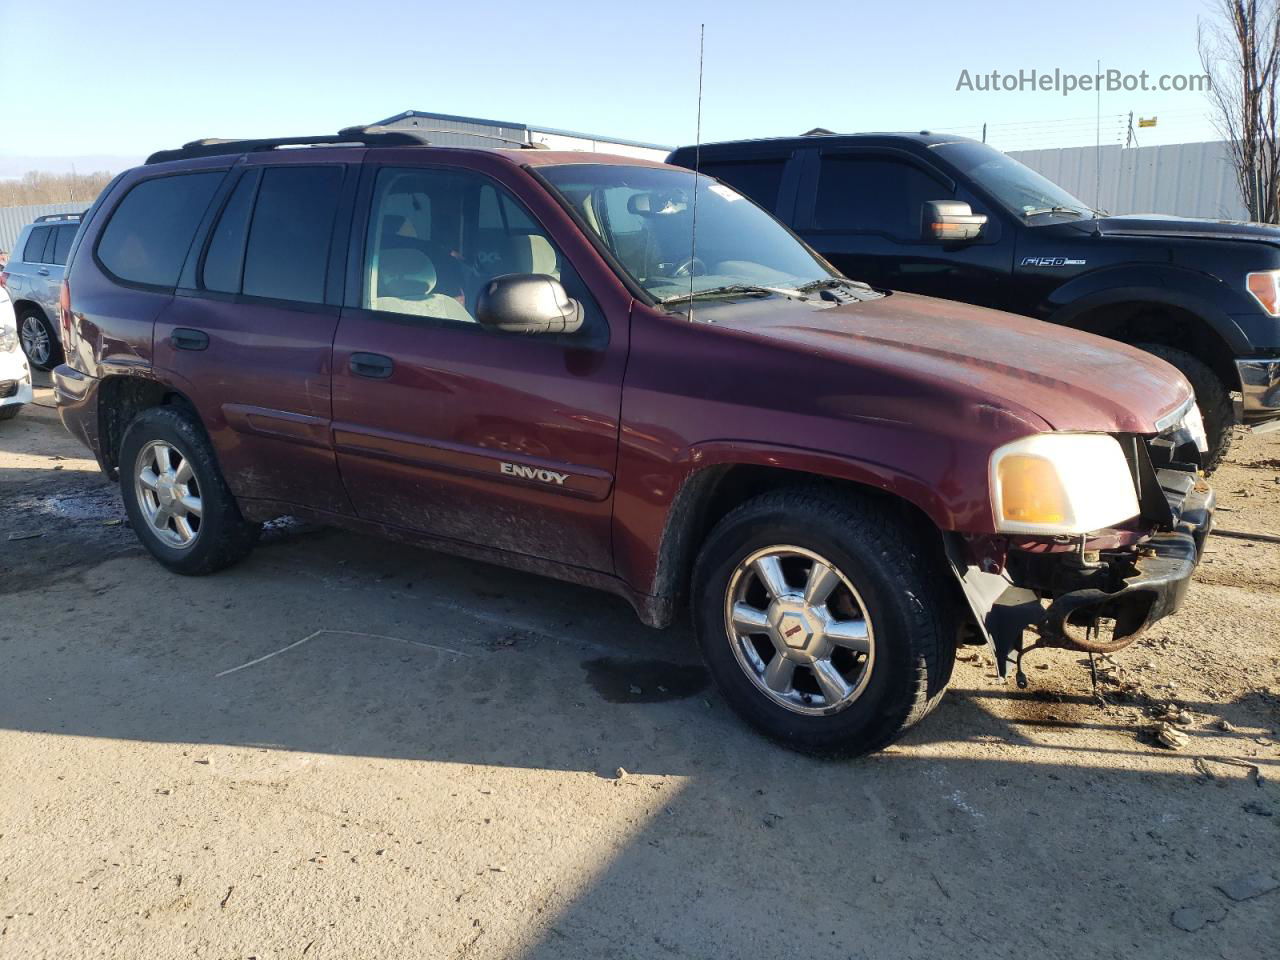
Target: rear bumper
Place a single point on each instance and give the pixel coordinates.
(76, 396)
(1260, 387)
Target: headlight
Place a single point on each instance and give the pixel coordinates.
(1265, 287)
(8, 335)
(1061, 483)
(1190, 429)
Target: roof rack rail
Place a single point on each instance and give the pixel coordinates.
(363, 136)
(55, 217)
(368, 136)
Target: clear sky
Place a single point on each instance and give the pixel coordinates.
(91, 80)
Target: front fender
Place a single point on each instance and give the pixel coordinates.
(1198, 293)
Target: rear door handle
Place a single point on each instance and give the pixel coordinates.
(43, 271)
(183, 338)
(372, 365)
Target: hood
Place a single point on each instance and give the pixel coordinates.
(1159, 225)
(1070, 380)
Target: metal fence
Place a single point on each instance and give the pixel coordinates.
(13, 219)
(1180, 179)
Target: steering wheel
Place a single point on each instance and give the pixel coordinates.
(690, 267)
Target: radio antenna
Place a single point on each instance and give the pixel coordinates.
(697, 165)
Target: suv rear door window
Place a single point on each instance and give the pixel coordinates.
(288, 250)
(62, 237)
(866, 194)
(760, 180)
(151, 229)
(224, 260)
(33, 252)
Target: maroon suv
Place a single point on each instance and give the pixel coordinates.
(573, 364)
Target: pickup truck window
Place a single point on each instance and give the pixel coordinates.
(869, 194)
(760, 180)
(1018, 188)
(644, 216)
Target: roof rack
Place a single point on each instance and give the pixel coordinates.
(56, 217)
(368, 136)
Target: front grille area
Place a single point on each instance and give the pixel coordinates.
(8, 388)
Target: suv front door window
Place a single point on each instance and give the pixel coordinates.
(453, 429)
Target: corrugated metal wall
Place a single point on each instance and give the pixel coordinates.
(1181, 179)
(458, 128)
(13, 219)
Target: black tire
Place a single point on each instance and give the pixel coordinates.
(10, 411)
(224, 536)
(55, 346)
(902, 585)
(1212, 396)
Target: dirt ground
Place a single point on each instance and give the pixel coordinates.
(349, 748)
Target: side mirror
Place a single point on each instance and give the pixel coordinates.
(949, 220)
(528, 303)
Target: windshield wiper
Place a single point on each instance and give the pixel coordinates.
(730, 289)
(827, 282)
(1072, 210)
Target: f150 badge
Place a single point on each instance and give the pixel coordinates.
(1052, 262)
(533, 473)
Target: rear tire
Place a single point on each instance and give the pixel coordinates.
(887, 575)
(1212, 396)
(178, 503)
(39, 339)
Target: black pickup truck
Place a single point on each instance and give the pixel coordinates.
(951, 217)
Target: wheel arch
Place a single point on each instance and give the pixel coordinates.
(1155, 316)
(708, 494)
(121, 397)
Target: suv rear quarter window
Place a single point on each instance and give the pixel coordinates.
(146, 240)
(62, 237)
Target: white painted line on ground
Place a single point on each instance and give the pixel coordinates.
(345, 633)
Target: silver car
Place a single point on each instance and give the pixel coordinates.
(33, 277)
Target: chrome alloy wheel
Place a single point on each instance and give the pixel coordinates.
(799, 629)
(168, 493)
(35, 340)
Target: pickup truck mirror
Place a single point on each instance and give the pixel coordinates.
(528, 303)
(948, 220)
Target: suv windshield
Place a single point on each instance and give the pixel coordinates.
(644, 216)
(1017, 187)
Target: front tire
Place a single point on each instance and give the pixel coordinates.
(39, 340)
(824, 620)
(1212, 396)
(177, 501)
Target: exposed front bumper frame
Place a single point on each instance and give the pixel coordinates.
(1260, 387)
(1163, 568)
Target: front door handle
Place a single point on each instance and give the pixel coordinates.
(372, 365)
(43, 271)
(183, 338)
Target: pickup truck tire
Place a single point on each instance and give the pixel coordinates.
(1212, 396)
(760, 567)
(177, 500)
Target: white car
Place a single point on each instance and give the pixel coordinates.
(15, 375)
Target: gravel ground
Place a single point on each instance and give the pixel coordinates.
(349, 748)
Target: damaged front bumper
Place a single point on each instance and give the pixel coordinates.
(1094, 594)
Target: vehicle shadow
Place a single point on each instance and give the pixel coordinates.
(327, 643)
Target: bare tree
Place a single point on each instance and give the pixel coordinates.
(37, 186)
(1240, 51)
